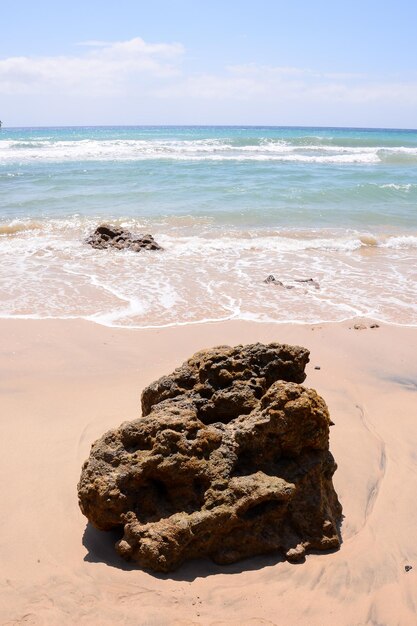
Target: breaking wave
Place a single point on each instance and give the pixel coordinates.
(178, 232)
(12, 151)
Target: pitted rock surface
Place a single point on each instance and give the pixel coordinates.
(230, 459)
(106, 236)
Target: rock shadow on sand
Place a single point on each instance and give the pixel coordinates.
(100, 547)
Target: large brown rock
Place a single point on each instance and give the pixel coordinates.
(230, 459)
(106, 236)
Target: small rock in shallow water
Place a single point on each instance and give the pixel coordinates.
(408, 567)
(106, 236)
(271, 279)
(359, 327)
(374, 326)
(308, 281)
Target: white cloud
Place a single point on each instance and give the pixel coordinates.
(151, 84)
(289, 84)
(106, 68)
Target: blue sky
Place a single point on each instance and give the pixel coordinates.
(199, 62)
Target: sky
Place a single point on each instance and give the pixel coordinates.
(259, 62)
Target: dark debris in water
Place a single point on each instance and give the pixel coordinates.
(310, 282)
(364, 326)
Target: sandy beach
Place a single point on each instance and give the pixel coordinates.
(65, 382)
(177, 178)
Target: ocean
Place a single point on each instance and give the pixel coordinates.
(229, 205)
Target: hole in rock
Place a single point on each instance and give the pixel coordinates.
(262, 454)
(223, 412)
(186, 382)
(246, 464)
(252, 461)
(157, 499)
(134, 441)
(200, 487)
(261, 509)
(212, 416)
(205, 392)
(161, 490)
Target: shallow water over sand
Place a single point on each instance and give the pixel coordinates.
(230, 206)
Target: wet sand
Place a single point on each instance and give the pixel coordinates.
(64, 382)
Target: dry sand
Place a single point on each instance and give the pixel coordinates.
(63, 383)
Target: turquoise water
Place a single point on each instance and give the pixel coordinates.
(230, 205)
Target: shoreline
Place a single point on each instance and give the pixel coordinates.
(65, 382)
(203, 276)
(348, 320)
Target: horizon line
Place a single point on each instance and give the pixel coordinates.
(294, 126)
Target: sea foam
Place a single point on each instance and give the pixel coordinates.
(14, 151)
